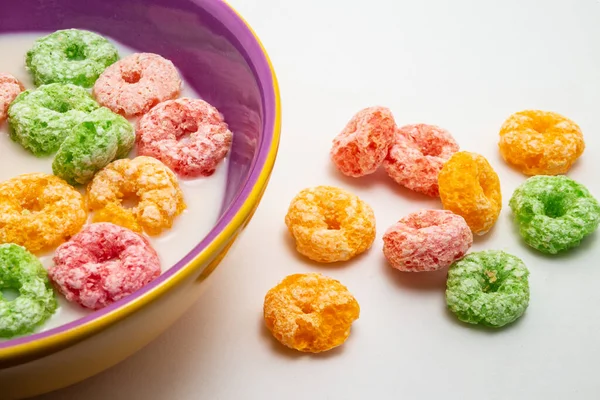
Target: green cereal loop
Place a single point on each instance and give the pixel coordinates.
(41, 119)
(489, 288)
(554, 213)
(92, 145)
(70, 56)
(23, 272)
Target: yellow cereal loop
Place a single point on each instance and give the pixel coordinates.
(540, 142)
(310, 312)
(160, 200)
(330, 224)
(470, 188)
(39, 211)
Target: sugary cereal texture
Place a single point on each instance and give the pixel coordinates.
(489, 288)
(70, 56)
(22, 272)
(540, 142)
(330, 224)
(102, 264)
(160, 200)
(554, 213)
(188, 135)
(101, 138)
(470, 188)
(426, 240)
(363, 144)
(417, 155)
(39, 211)
(41, 119)
(136, 83)
(310, 312)
(10, 87)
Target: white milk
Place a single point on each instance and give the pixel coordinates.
(203, 195)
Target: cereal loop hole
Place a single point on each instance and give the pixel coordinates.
(132, 76)
(9, 293)
(130, 200)
(333, 224)
(492, 284)
(554, 206)
(76, 52)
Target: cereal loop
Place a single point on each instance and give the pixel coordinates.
(540, 142)
(72, 56)
(39, 211)
(102, 264)
(330, 224)
(426, 240)
(41, 119)
(188, 135)
(160, 200)
(310, 312)
(489, 288)
(135, 84)
(101, 138)
(363, 144)
(10, 87)
(417, 155)
(470, 188)
(22, 272)
(554, 213)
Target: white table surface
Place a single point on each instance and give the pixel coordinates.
(465, 65)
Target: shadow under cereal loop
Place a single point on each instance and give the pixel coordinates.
(434, 281)
(287, 352)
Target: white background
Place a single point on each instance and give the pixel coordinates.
(465, 65)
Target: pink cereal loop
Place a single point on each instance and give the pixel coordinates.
(417, 156)
(427, 240)
(135, 84)
(363, 144)
(188, 135)
(10, 87)
(102, 264)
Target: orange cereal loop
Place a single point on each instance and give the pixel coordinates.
(39, 211)
(310, 312)
(153, 184)
(470, 188)
(540, 142)
(330, 224)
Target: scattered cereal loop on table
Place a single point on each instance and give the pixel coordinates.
(540, 142)
(426, 240)
(363, 144)
(310, 312)
(417, 155)
(470, 188)
(554, 213)
(488, 288)
(330, 224)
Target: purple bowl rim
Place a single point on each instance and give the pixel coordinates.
(225, 14)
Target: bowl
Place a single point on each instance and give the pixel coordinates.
(221, 58)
